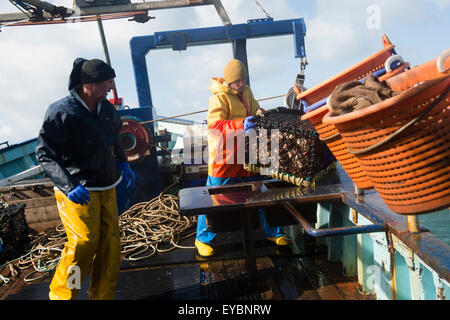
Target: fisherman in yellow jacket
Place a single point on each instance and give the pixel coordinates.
(230, 111)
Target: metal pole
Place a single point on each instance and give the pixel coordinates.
(240, 53)
(359, 193)
(105, 50)
(413, 224)
(331, 232)
(248, 242)
(221, 12)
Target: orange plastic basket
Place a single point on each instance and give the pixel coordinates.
(334, 141)
(328, 132)
(403, 143)
(337, 145)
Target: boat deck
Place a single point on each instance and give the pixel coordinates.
(302, 272)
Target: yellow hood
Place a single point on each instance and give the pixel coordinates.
(219, 85)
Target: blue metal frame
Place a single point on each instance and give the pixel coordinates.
(181, 40)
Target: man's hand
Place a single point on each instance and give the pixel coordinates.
(79, 195)
(248, 124)
(127, 174)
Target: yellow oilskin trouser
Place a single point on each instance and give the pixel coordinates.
(93, 237)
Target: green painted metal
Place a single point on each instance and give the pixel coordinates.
(335, 243)
(323, 218)
(17, 158)
(388, 268)
(429, 290)
(402, 278)
(366, 271)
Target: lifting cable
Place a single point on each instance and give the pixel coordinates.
(265, 12)
(201, 111)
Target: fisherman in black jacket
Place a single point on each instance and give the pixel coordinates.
(78, 147)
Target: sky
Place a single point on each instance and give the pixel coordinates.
(35, 61)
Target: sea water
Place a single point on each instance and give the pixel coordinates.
(438, 223)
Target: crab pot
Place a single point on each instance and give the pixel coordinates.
(13, 232)
(302, 157)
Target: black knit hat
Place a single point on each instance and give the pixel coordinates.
(95, 70)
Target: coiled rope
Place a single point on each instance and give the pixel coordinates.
(155, 226)
(147, 228)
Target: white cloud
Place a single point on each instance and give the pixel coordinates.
(34, 73)
(441, 3)
(329, 41)
(5, 131)
(338, 36)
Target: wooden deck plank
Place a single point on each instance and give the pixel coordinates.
(283, 277)
(352, 291)
(329, 292)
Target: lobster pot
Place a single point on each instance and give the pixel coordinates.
(13, 232)
(301, 158)
(403, 143)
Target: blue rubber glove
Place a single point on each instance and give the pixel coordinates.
(79, 195)
(248, 124)
(127, 174)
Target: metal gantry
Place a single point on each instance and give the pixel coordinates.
(42, 12)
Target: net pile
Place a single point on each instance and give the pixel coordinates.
(13, 231)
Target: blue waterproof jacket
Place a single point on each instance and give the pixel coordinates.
(76, 146)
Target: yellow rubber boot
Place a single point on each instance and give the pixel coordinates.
(204, 250)
(280, 241)
(92, 230)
